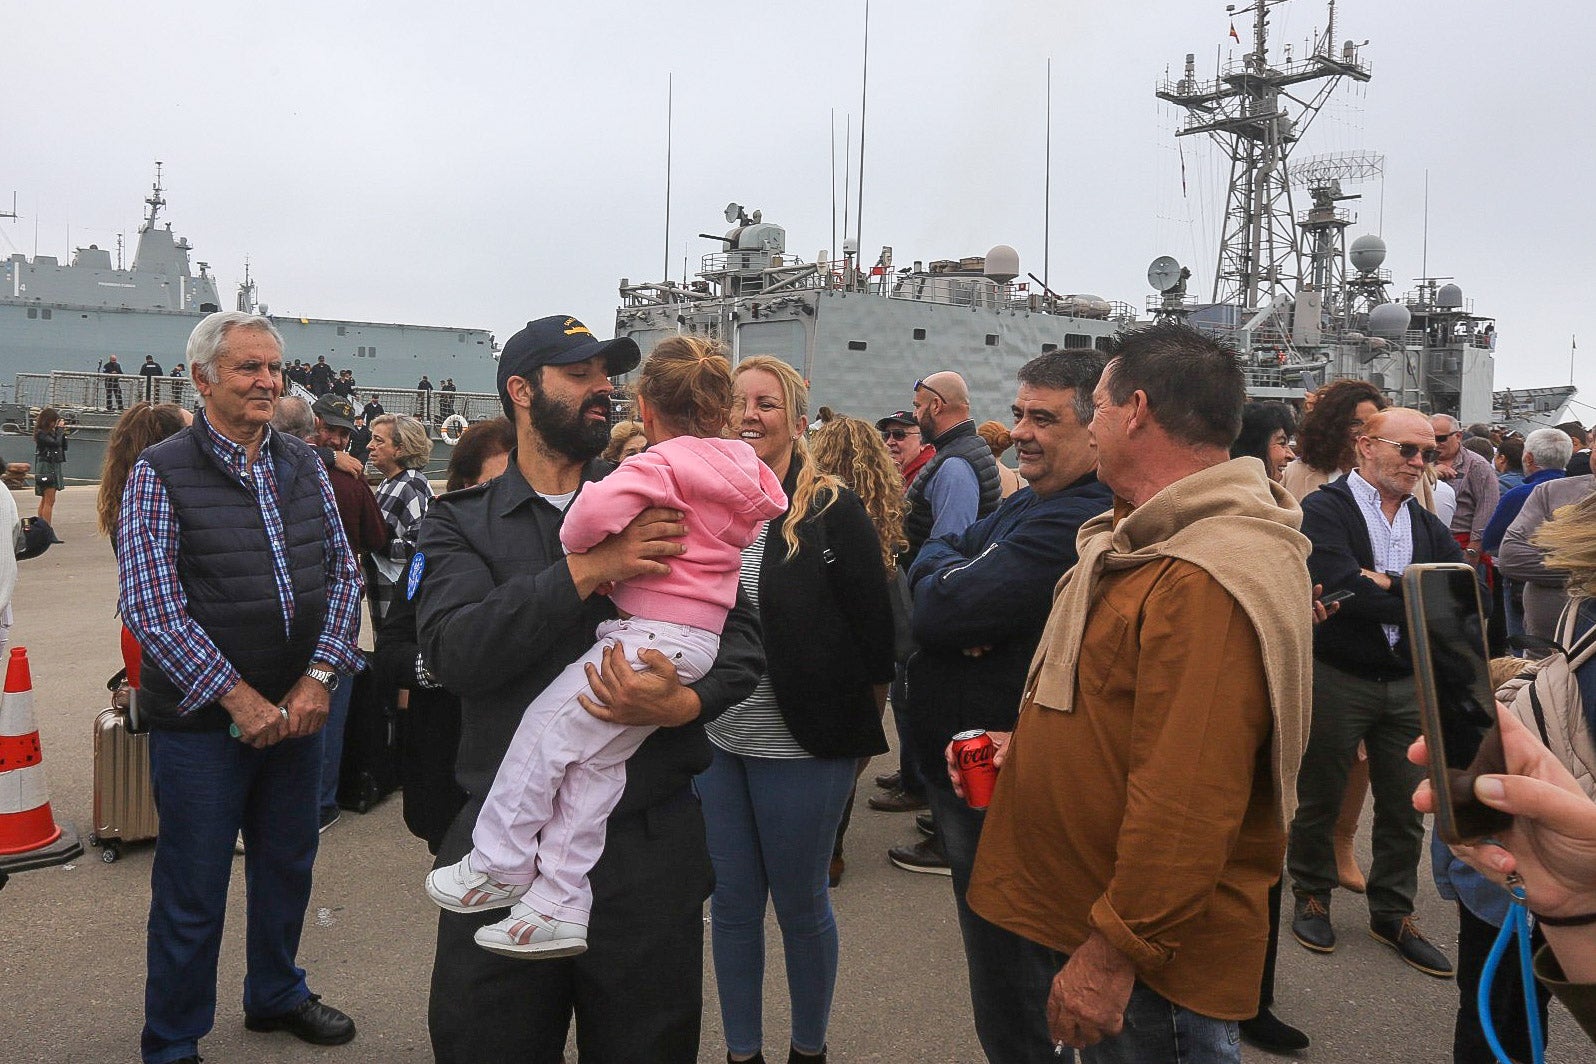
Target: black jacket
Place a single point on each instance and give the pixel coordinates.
(1353, 640)
(990, 586)
(828, 627)
(499, 618)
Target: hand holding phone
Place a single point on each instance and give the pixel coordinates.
(1446, 634)
(1336, 597)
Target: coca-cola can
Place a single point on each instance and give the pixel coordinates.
(972, 755)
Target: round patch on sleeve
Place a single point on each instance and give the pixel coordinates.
(418, 566)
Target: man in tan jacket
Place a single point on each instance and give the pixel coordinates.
(1140, 813)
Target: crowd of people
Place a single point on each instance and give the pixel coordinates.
(1182, 731)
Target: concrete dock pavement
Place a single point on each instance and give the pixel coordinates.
(72, 937)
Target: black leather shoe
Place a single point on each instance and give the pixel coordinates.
(899, 801)
(926, 825)
(795, 1057)
(890, 781)
(924, 856)
(1403, 936)
(1271, 1034)
(1311, 926)
(313, 1022)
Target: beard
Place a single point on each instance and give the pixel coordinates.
(568, 432)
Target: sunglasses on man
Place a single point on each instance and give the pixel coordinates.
(1410, 451)
(898, 434)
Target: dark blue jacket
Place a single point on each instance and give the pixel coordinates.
(1353, 640)
(991, 586)
(1510, 505)
(224, 564)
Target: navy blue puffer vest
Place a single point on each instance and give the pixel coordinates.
(961, 441)
(224, 564)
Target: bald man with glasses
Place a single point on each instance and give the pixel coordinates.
(1366, 528)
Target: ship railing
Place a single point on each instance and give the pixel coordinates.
(102, 391)
(432, 407)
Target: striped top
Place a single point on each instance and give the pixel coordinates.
(754, 727)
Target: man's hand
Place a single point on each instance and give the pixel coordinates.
(1000, 754)
(1321, 612)
(349, 463)
(1381, 581)
(633, 551)
(1089, 994)
(260, 724)
(653, 695)
(307, 704)
(1445, 471)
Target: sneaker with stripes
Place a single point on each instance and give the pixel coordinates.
(462, 889)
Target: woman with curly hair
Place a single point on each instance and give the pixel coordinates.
(851, 450)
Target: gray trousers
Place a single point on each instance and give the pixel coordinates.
(1385, 717)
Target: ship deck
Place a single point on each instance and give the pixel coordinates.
(72, 936)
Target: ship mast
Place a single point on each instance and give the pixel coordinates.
(1243, 109)
(154, 201)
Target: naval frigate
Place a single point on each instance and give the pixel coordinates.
(1301, 304)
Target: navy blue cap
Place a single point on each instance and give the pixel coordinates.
(560, 341)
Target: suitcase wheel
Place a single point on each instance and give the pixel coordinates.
(110, 853)
(370, 793)
(94, 840)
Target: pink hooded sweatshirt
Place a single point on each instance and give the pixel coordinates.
(726, 493)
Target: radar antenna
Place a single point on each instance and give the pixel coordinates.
(1323, 228)
(1244, 110)
(154, 201)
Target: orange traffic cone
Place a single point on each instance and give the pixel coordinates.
(29, 835)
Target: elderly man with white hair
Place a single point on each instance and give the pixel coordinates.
(1546, 452)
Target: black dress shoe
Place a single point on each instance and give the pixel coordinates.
(890, 781)
(1403, 936)
(926, 825)
(924, 856)
(1311, 926)
(1268, 1032)
(899, 801)
(795, 1057)
(313, 1022)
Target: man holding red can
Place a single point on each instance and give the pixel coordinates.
(981, 599)
(1141, 804)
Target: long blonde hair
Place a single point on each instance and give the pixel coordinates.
(815, 489)
(852, 451)
(1569, 540)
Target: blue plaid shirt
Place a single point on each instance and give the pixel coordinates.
(153, 604)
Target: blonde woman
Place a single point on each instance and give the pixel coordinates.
(784, 759)
(400, 448)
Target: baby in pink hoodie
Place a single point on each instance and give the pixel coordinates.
(542, 827)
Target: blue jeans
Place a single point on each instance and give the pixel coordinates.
(771, 823)
(1010, 976)
(208, 787)
(1157, 1029)
(332, 753)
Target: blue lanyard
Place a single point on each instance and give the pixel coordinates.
(1516, 926)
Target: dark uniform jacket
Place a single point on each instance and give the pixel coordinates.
(499, 618)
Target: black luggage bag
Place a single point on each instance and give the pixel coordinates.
(369, 769)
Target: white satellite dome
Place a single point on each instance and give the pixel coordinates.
(1367, 253)
(1002, 264)
(1450, 297)
(1389, 321)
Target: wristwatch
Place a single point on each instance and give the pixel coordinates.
(326, 677)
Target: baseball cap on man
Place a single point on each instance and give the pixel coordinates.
(336, 411)
(899, 417)
(560, 341)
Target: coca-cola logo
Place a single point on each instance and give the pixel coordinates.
(974, 755)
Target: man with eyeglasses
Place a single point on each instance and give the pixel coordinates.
(1478, 490)
(909, 451)
(1366, 528)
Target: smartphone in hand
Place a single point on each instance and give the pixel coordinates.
(1457, 705)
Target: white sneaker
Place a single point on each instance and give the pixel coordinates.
(525, 933)
(459, 888)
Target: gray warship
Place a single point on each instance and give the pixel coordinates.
(1301, 305)
(59, 322)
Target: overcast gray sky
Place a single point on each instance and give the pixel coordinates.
(478, 164)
